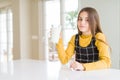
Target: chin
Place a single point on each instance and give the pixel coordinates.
(82, 31)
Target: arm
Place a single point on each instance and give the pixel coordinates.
(65, 55)
(104, 56)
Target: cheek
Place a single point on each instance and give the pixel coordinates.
(87, 28)
(78, 22)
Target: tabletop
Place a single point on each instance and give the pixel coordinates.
(45, 70)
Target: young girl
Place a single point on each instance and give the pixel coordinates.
(89, 45)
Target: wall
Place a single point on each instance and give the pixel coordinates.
(28, 29)
(21, 29)
(4, 3)
(38, 30)
(16, 29)
(109, 11)
(34, 29)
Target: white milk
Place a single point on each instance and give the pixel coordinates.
(55, 33)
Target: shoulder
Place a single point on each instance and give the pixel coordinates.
(73, 38)
(100, 36)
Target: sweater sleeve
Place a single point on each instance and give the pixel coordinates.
(104, 56)
(65, 55)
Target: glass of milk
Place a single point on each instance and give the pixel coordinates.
(55, 33)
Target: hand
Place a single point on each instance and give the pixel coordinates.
(76, 66)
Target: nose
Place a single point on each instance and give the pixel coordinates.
(83, 22)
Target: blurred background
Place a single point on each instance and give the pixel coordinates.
(25, 27)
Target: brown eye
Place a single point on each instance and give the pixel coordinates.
(87, 20)
(80, 19)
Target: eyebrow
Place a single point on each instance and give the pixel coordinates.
(81, 17)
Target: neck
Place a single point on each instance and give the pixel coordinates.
(86, 33)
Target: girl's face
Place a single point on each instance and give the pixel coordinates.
(83, 23)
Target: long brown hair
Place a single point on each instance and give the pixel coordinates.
(94, 22)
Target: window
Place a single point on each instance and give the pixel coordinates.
(70, 18)
(6, 34)
(60, 12)
(52, 18)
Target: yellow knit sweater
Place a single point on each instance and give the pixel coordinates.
(65, 55)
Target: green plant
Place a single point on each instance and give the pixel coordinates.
(71, 18)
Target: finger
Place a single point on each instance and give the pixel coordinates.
(73, 65)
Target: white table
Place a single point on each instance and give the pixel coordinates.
(44, 70)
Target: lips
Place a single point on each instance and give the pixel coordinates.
(82, 26)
